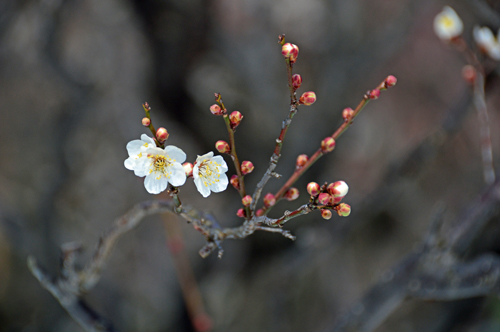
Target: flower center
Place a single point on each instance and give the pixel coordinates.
(209, 172)
(447, 22)
(160, 166)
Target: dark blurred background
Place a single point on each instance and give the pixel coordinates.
(73, 75)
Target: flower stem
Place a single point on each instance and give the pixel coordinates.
(279, 141)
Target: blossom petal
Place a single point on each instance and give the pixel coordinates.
(146, 139)
(155, 183)
(178, 175)
(219, 160)
(204, 190)
(221, 185)
(129, 163)
(134, 147)
(175, 153)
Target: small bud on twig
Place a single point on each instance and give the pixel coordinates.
(216, 110)
(308, 98)
(241, 213)
(247, 200)
(290, 51)
(347, 113)
(269, 200)
(234, 182)
(313, 189)
(324, 199)
(326, 214)
(374, 94)
(328, 144)
(235, 119)
(390, 81)
(161, 134)
(246, 167)
(259, 212)
(292, 194)
(188, 168)
(146, 122)
(222, 147)
(301, 160)
(296, 81)
(343, 209)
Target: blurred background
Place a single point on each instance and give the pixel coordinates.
(73, 76)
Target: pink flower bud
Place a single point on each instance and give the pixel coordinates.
(246, 167)
(235, 119)
(336, 200)
(269, 200)
(188, 168)
(338, 189)
(469, 74)
(344, 209)
(308, 98)
(302, 160)
(326, 214)
(324, 199)
(313, 189)
(222, 147)
(146, 122)
(247, 200)
(347, 113)
(290, 51)
(390, 81)
(296, 81)
(374, 94)
(292, 194)
(161, 134)
(328, 144)
(234, 182)
(241, 213)
(216, 110)
(259, 213)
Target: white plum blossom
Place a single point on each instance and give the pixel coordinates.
(159, 166)
(487, 42)
(136, 149)
(447, 24)
(209, 174)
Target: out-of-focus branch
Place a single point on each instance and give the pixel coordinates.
(438, 272)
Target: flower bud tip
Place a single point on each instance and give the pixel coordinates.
(246, 167)
(308, 98)
(328, 144)
(222, 147)
(161, 134)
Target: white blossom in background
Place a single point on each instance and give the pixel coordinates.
(209, 174)
(136, 149)
(487, 42)
(447, 24)
(159, 166)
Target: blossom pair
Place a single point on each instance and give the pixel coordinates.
(164, 166)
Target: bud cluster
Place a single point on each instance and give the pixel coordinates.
(328, 197)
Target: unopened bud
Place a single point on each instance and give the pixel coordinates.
(347, 114)
(469, 74)
(313, 189)
(235, 119)
(259, 213)
(188, 168)
(302, 160)
(161, 134)
(292, 194)
(308, 98)
(344, 210)
(390, 81)
(235, 182)
(324, 199)
(241, 213)
(222, 147)
(290, 51)
(269, 200)
(216, 110)
(146, 122)
(246, 167)
(296, 81)
(374, 94)
(338, 189)
(328, 144)
(326, 214)
(247, 200)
